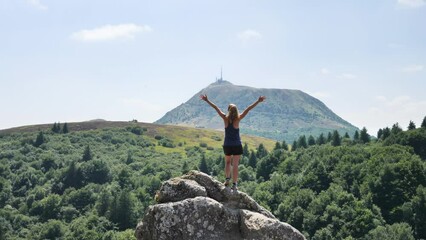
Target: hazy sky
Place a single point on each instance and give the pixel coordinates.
(75, 60)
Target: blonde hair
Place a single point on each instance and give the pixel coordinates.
(232, 113)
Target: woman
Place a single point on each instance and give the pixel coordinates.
(232, 146)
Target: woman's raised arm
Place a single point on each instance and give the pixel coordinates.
(221, 114)
(261, 99)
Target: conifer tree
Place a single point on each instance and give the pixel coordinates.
(396, 129)
(321, 139)
(336, 141)
(65, 128)
(411, 125)
(301, 143)
(277, 146)
(252, 160)
(311, 140)
(294, 145)
(55, 128)
(364, 136)
(386, 133)
(423, 123)
(246, 152)
(329, 137)
(203, 165)
(39, 140)
(87, 155)
(356, 136)
(346, 135)
(284, 145)
(185, 167)
(261, 151)
(380, 134)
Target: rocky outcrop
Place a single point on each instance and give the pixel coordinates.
(196, 206)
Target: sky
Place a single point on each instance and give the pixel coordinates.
(74, 60)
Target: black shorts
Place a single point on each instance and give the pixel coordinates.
(233, 150)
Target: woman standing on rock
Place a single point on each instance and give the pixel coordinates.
(232, 146)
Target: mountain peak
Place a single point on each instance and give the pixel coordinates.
(221, 82)
(285, 115)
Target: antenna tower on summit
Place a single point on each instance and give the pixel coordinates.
(221, 78)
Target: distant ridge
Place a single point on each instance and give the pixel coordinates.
(286, 114)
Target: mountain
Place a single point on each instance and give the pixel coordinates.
(285, 115)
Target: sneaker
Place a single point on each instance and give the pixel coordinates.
(226, 183)
(234, 187)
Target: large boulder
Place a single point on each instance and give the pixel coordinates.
(196, 206)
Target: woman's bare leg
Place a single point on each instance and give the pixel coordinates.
(228, 166)
(235, 161)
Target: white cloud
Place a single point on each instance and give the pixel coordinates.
(412, 3)
(37, 4)
(413, 68)
(249, 35)
(110, 32)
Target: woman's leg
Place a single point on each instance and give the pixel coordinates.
(235, 161)
(228, 166)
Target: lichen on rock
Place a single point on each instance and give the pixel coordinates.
(196, 206)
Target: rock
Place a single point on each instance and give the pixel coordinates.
(196, 206)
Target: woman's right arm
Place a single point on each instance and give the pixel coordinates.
(221, 114)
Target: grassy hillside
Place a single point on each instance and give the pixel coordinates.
(179, 136)
(285, 115)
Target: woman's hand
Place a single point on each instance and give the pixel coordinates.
(204, 97)
(261, 99)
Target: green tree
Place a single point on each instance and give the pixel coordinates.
(311, 140)
(336, 140)
(284, 145)
(261, 151)
(364, 136)
(356, 136)
(73, 176)
(56, 127)
(53, 229)
(185, 167)
(380, 134)
(122, 210)
(419, 212)
(294, 146)
(329, 137)
(277, 146)
(246, 152)
(252, 160)
(321, 139)
(87, 155)
(346, 135)
(266, 166)
(96, 171)
(396, 129)
(301, 142)
(411, 125)
(395, 231)
(65, 128)
(386, 133)
(423, 125)
(40, 139)
(202, 166)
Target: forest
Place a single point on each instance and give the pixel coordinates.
(96, 184)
